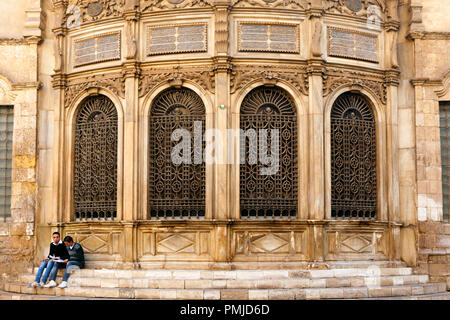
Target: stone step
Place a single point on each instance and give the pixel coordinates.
(20, 296)
(173, 265)
(259, 283)
(239, 274)
(231, 294)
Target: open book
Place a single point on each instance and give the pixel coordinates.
(55, 259)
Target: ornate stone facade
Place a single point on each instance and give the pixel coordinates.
(389, 52)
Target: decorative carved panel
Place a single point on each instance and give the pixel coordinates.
(150, 78)
(98, 242)
(176, 190)
(155, 5)
(175, 243)
(356, 8)
(177, 39)
(83, 11)
(347, 243)
(95, 160)
(373, 82)
(293, 74)
(352, 44)
(283, 4)
(258, 242)
(353, 159)
(101, 48)
(113, 82)
(267, 37)
(271, 195)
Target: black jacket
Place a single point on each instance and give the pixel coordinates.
(58, 250)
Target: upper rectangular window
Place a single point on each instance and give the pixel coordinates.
(444, 113)
(269, 37)
(352, 44)
(101, 48)
(6, 140)
(177, 39)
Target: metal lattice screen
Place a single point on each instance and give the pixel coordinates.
(444, 112)
(175, 190)
(353, 159)
(95, 160)
(6, 141)
(268, 196)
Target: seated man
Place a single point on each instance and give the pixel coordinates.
(76, 259)
(57, 250)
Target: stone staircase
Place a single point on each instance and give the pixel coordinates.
(434, 255)
(346, 280)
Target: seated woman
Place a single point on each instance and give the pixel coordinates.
(57, 250)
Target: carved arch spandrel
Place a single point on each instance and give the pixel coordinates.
(114, 83)
(153, 78)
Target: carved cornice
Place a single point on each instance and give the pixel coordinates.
(175, 76)
(26, 41)
(244, 74)
(392, 77)
(282, 4)
(222, 64)
(59, 81)
(156, 5)
(337, 77)
(114, 83)
(423, 35)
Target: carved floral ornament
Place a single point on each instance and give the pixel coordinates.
(335, 78)
(114, 83)
(82, 11)
(243, 75)
(150, 78)
(93, 10)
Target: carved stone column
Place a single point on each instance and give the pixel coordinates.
(131, 73)
(59, 85)
(391, 82)
(407, 140)
(315, 72)
(221, 115)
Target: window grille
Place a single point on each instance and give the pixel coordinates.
(95, 160)
(6, 141)
(175, 190)
(353, 159)
(444, 112)
(268, 196)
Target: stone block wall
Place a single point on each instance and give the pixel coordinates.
(434, 250)
(19, 85)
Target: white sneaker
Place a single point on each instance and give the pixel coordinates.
(63, 285)
(51, 284)
(34, 284)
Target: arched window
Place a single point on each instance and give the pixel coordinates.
(176, 189)
(268, 187)
(353, 158)
(95, 160)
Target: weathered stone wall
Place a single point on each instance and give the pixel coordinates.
(430, 31)
(20, 35)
